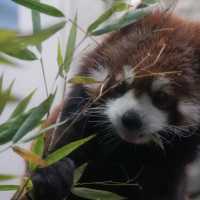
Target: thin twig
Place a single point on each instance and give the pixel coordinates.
(158, 56)
(21, 191)
(81, 41)
(64, 88)
(83, 31)
(44, 76)
(159, 74)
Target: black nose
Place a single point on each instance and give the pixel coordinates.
(131, 120)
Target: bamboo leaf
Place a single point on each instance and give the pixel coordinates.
(66, 150)
(21, 107)
(30, 156)
(70, 45)
(38, 146)
(118, 6)
(127, 19)
(5, 96)
(9, 187)
(24, 54)
(79, 172)
(1, 83)
(94, 194)
(9, 128)
(83, 80)
(38, 149)
(6, 35)
(43, 131)
(21, 42)
(29, 185)
(34, 118)
(36, 21)
(40, 7)
(5, 61)
(60, 60)
(150, 1)
(6, 177)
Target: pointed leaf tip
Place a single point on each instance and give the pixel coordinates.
(40, 7)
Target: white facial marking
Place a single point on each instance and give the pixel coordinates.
(129, 74)
(152, 118)
(159, 83)
(115, 108)
(100, 74)
(190, 111)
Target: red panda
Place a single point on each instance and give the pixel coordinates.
(148, 86)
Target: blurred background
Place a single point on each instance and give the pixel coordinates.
(28, 75)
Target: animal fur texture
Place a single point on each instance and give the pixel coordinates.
(148, 86)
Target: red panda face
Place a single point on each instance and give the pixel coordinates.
(150, 81)
(137, 115)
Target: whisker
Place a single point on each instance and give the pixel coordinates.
(181, 131)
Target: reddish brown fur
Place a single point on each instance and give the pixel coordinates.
(157, 44)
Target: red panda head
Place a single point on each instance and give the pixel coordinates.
(149, 75)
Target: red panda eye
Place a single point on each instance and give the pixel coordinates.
(163, 100)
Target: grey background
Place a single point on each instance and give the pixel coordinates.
(189, 8)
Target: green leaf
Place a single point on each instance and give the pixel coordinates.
(29, 185)
(79, 172)
(6, 177)
(118, 6)
(40, 7)
(38, 146)
(38, 149)
(24, 54)
(34, 118)
(43, 131)
(150, 1)
(21, 42)
(60, 60)
(66, 150)
(127, 19)
(9, 187)
(6, 35)
(5, 96)
(36, 21)
(1, 83)
(21, 107)
(83, 80)
(9, 128)
(94, 194)
(70, 45)
(5, 61)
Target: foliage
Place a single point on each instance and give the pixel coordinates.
(23, 120)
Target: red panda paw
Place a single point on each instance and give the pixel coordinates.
(53, 182)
